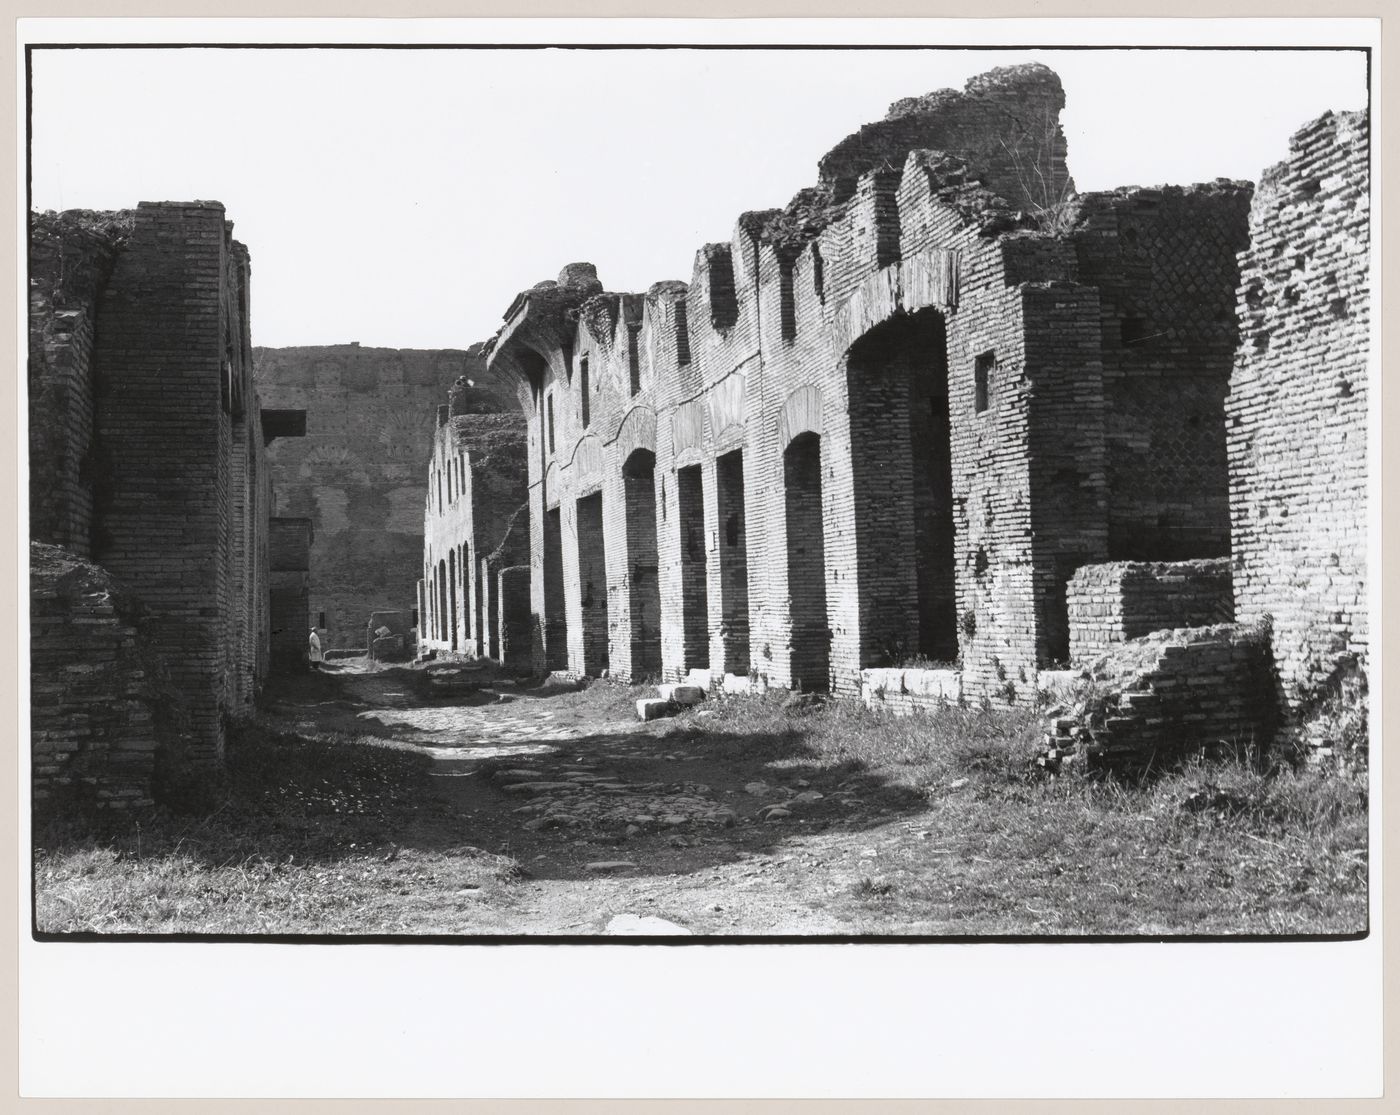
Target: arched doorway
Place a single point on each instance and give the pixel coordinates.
(901, 464)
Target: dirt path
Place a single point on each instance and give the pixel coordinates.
(616, 823)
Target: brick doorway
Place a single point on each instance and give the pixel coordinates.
(442, 600)
(901, 462)
(810, 640)
(556, 624)
(452, 597)
(592, 584)
(695, 593)
(733, 562)
(643, 587)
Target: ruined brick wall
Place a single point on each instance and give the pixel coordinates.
(178, 503)
(1006, 120)
(70, 258)
(1298, 405)
(92, 695)
(1164, 263)
(873, 422)
(1157, 698)
(148, 456)
(358, 472)
(1114, 602)
(471, 528)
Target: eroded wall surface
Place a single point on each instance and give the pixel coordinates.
(1297, 410)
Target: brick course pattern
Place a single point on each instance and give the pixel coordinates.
(474, 527)
(1162, 696)
(357, 474)
(92, 699)
(1298, 406)
(1114, 602)
(904, 397)
(147, 433)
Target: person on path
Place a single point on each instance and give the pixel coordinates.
(316, 657)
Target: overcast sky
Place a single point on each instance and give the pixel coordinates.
(401, 198)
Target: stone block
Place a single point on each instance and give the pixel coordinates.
(654, 708)
(685, 695)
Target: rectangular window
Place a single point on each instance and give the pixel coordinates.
(583, 388)
(549, 413)
(986, 364)
(634, 363)
(682, 334)
(787, 302)
(320, 619)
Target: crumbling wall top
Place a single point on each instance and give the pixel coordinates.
(1006, 118)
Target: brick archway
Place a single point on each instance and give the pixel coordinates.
(901, 463)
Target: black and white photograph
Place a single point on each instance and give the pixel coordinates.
(515, 507)
(600, 491)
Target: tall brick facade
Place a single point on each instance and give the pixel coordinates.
(886, 423)
(1297, 409)
(474, 530)
(148, 434)
(357, 474)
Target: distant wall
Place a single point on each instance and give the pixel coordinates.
(1297, 410)
(358, 472)
(290, 545)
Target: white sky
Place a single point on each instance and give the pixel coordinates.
(401, 198)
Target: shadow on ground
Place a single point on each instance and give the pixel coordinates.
(328, 773)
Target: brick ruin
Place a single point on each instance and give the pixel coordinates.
(1295, 422)
(881, 428)
(356, 476)
(476, 533)
(150, 498)
(1297, 411)
(941, 429)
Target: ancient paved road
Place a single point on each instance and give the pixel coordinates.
(616, 823)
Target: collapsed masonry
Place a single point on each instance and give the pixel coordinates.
(1295, 420)
(151, 618)
(880, 429)
(474, 598)
(356, 477)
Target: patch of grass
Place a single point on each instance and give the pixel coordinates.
(315, 835)
(1225, 846)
